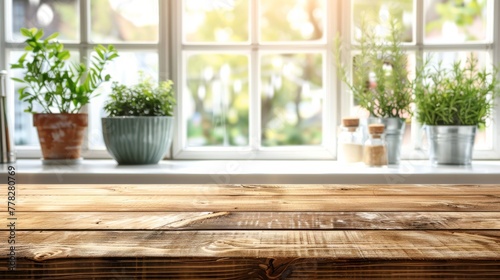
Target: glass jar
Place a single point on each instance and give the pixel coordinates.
(375, 149)
(350, 141)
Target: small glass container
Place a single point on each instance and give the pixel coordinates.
(375, 149)
(350, 141)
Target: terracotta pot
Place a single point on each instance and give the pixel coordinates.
(60, 135)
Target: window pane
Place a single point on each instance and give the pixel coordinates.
(292, 20)
(484, 136)
(292, 96)
(52, 15)
(124, 69)
(216, 21)
(378, 11)
(448, 58)
(455, 21)
(124, 21)
(216, 98)
(24, 132)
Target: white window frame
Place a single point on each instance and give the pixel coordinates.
(417, 151)
(327, 150)
(84, 48)
(170, 50)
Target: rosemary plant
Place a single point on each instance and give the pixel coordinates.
(457, 95)
(380, 82)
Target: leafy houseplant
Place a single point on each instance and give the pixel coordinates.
(459, 95)
(380, 82)
(59, 89)
(451, 103)
(139, 128)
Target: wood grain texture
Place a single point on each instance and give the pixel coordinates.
(251, 269)
(255, 232)
(255, 220)
(340, 244)
(259, 190)
(195, 202)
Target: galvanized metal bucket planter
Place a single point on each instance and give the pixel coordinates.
(394, 132)
(137, 140)
(451, 145)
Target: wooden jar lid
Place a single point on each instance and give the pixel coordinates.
(350, 122)
(376, 128)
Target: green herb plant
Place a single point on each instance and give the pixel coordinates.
(457, 95)
(380, 82)
(53, 83)
(146, 98)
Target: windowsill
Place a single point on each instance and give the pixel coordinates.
(252, 172)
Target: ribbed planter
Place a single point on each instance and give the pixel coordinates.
(138, 140)
(450, 145)
(60, 135)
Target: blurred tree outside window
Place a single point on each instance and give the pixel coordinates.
(252, 74)
(290, 85)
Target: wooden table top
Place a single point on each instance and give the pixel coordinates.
(254, 232)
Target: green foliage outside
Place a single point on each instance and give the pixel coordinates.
(50, 81)
(370, 11)
(231, 127)
(460, 95)
(278, 128)
(234, 21)
(108, 24)
(146, 98)
(462, 13)
(215, 122)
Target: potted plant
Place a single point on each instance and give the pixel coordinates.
(452, 102)
(139, 126)
(380, 82)
(58, 89)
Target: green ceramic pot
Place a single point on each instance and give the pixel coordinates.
(137, 140)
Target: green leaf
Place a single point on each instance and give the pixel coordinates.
(33, 31)
(65, 55)
(25, 32)
(39, 34)
(18, 80)
(99, 52)
(52, 36)
(16, 66)
(113, 56)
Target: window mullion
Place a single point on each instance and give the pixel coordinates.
(84, 21)
(179, 142)
(84, 52)
(496, 61)
(344, 28)
(419, 26)
(164, 47)
(331, 96)
(416, 127)
(164, 43)
(254, 87)
(3, 34)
